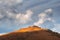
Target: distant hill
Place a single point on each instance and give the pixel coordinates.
(31, 33)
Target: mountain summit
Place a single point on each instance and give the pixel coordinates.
(31, 33)
(30, 29)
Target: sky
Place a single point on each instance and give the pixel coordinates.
(16, 14)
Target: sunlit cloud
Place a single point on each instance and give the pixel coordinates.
(2, 34)
(43, 17)
(24, 18)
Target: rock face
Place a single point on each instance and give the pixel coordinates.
(31, 33)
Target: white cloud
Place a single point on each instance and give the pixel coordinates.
(2, 34)
(39, 22)
(18, 1)
(1, 16)
(49, 19)
(48, 10)
(43, 17)
(56, 28)
(10, 2)
(10, 14)
(24, 18)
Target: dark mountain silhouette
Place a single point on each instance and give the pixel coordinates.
(31, 33)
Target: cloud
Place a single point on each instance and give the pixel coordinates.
(1, 16)
(24, 18)
(48, 10)
(2, 34)
(18, 1)
(56, 28)
(19, 18)
(8, 9)
(43, 17)
(10, 14)
(10, 2)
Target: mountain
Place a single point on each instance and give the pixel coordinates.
(31, 33)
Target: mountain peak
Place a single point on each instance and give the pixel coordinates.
(30, 28)
(31, 33)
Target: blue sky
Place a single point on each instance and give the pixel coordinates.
(16, 14)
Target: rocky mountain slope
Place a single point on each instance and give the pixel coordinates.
(31, 33)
